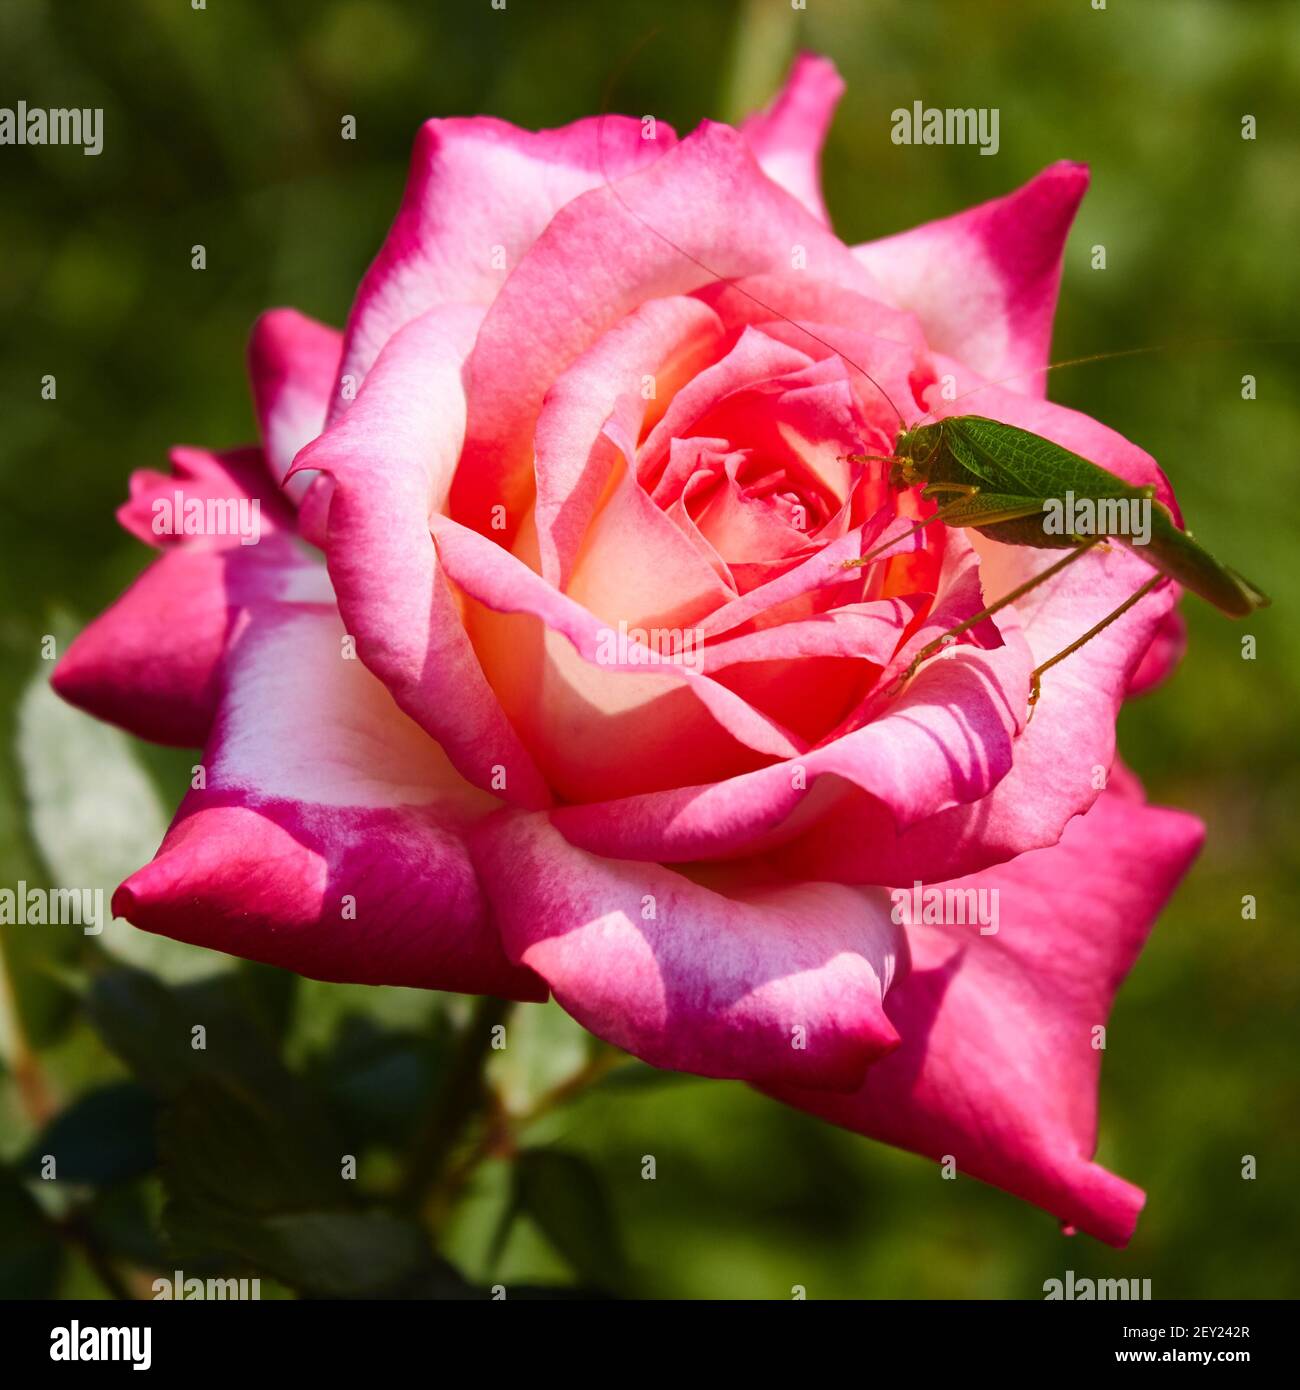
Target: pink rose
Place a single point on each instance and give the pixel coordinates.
(579, 697)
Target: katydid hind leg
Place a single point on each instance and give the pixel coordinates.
(1036, 677)
(944, 639)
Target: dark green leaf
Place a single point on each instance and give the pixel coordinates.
(270, 995)
(43, 1008)
(223, 1145)
(123, 1222)
(30, 1254)
(152, 1028)
(248, 1181)
(331, 1253)
(565, 1197)
(104, 1137)
(381, 1084)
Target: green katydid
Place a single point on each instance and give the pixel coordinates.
(1004, 481)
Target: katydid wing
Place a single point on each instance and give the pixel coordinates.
(974, 452)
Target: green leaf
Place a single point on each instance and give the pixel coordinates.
(152, 1028)
(225, 1145)
(96, 818)
(544, 1047)
(246, 1182)
(565, 1196)
(381, 1084)
(271, 996)
(104, 1137)
(36, 1010)
(329, 1253)
(124, 1221)
(31, 1256)
(322, 1009)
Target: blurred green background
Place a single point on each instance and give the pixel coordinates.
(222, 127)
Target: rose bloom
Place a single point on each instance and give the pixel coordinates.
(546, 676)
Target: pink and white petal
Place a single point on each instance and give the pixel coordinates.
(332, 846)
(769, 981)
(754, 359)
(999, 1067)
(762, 300)
(947, 741)
(152, 662)
(602, 255)
(293, 361)
(821, 583)
(604, 712)
(638, 567)
(1060, 759)
(313, 506)
(599, 407)
(984, 282)
(869, 632)
(232, 488)
(478, 194)
(810, 674)
(787, 137)
(389, 462)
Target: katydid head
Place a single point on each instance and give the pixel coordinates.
(912, 451)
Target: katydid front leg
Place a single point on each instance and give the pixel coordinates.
(942, 514)
(930, 648)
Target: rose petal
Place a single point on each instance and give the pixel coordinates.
(604, 254)
(597, 408)
(984, 282)
(671, 582)
(152, 662)
(389, 461)
(787, 137)
(754, 359)
(478, 195)
(946, 741)
(600, 716)
(156, 511)
(1059, 762)
(292, 361)
(1162, 656)
(329, 845)
(772, 981)
(999, 1064)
